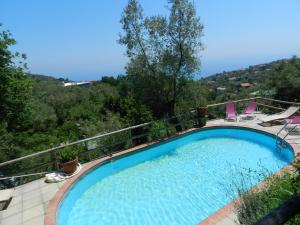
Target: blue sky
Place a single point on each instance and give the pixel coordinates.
(78, 38)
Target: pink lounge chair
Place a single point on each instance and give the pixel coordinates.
(250, 110)
(293, 120)
(291, 124)
(230, 111)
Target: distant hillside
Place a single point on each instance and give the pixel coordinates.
(248, 81)
(247, 75)
(43, 79)
(48, 81)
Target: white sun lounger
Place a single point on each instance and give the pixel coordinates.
(280, 116)
(5, 197)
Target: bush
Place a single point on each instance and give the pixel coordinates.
(258, 202)
(68, 154)
(157, 130)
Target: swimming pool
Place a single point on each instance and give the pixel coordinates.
(179, 182)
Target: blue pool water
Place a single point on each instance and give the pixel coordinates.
(179, 182)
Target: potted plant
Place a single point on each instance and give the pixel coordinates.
(68, 158)
(201, 109)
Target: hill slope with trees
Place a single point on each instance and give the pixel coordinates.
(278, 79)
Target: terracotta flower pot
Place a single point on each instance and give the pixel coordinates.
(70, 167)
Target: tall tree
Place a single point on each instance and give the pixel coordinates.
(163, 53)
(14, 87)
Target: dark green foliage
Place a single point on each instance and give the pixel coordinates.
(194, 95)
(68, 154)
(158, 130)
(284, 79)
(130, 110)
(110, 80)
(14, 87)
(279, 79)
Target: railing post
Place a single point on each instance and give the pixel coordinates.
(181, 121)
(87, 150)
(55, 161)
(167, 127)
(130, 138)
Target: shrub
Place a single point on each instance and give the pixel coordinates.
(68, 154)
(258, 202)
(157, 130)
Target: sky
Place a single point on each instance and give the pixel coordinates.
(77, 39)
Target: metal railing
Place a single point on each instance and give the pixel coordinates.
(108, 143)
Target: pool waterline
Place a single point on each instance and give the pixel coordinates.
(159, 155)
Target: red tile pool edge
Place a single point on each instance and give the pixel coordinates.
(219, 215)
(50, 215)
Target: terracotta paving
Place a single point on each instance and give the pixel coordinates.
(35, 203)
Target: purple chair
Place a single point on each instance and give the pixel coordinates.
(293, 120)
(291, 124)
(230, 111)
(250, 110)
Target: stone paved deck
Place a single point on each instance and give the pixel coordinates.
(30, 201)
